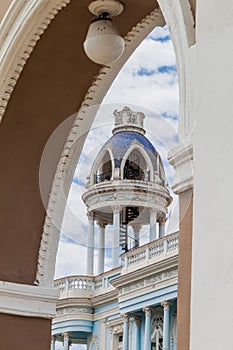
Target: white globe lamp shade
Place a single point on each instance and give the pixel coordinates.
(103, 44)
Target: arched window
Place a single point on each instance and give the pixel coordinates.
(104, 171)
(136, 167)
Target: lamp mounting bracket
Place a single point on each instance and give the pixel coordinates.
(112, 7)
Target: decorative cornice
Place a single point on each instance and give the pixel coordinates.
(145, 272)
(181, 159)
(22, 27)
(68, 160)
(137, 192)
(74, 310)
(26, 300)
(104, 299)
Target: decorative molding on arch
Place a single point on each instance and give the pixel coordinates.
(21, 28)
(74, 144)
(179, 18)
(31, 19)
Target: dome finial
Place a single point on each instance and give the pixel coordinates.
(126, 119)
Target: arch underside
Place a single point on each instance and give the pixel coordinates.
(56, 81)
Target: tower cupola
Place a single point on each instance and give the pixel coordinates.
(126, 188)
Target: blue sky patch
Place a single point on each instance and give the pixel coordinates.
(167, 69)
(161, 39)
(145, 71)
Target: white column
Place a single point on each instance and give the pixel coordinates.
(147, 340)
(162, 222)
(53, 341)
(66, 336)
(166, 324)
(115, 240)
(136, 230)
(153, 219)
(126, 332)
(137, 321)
(101, 247)
(90, 244)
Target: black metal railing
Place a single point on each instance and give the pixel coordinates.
(103, 177)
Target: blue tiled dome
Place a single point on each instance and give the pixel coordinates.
(120, 142)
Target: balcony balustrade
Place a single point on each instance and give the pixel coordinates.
(89, 286)
(147, 254)
(86, 286)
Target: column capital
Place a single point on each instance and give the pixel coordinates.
(116, 208)
(90, 215)
(125, 317)
(136, 227)
(162, 220)
(101, 224)
(137, 320)
(147, 310)
(66, 335)
(166, 304)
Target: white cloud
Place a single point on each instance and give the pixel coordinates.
(70, 258)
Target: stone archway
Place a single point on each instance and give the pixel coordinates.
(61, 86)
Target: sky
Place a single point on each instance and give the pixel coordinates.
(148, 82)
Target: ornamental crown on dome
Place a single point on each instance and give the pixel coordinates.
(128, 119)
